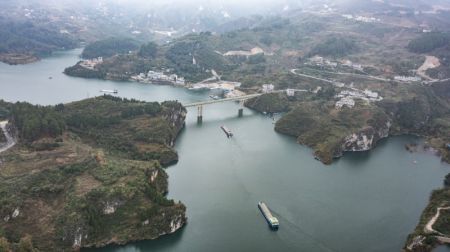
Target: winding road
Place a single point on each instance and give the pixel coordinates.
(429, 226)
(10, 142)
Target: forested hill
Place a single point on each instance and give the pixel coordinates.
(109, 47)
(27, 38)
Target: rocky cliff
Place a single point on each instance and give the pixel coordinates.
(363, 140)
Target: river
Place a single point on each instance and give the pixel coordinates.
(363, 202)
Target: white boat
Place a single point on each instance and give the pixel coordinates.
(214, 97)
(109, 91)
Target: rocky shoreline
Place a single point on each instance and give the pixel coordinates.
(18, 59)
(332, 132)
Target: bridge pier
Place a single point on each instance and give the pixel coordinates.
(200, 114)
(241, 109)
(240, 112)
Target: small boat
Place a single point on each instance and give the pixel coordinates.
(214, 97)
(109, 91)
(271, 220)
(227, 131)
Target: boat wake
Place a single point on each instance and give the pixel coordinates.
(289, 225)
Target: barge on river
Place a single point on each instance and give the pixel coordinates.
(272, 221)
(227, 131)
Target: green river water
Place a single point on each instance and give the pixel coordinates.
(363, 202)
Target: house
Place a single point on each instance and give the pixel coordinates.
(407, 78)
(290, 92)
(267, 88)
(371, 94)
(346, 101)
(317, 60)
(357, 67)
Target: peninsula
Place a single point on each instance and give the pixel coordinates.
(88, 173)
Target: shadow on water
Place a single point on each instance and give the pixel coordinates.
(221, 120)
(443, 248)
(359, 159)
(163, 243)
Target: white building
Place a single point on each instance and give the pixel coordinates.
(91, 63)
(347, 97)
(357, 67)
(267, 88)
(159, 76)
(331, 63)
(346, 101)
(290, 92)
(371, 94)
(317, 60)
(407, 78)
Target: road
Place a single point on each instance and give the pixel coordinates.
(293, 71)
(348, 74)
(10, 142)
(429, 226)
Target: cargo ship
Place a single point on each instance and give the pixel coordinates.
(227, 131)
(272, 221)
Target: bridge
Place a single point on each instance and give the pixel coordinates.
(200, 104)
(237, 98)
(241, 99)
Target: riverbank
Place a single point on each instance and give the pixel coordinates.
(18, 59)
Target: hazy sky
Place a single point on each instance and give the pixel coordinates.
(246, 3)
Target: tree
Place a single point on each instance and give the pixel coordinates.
(148, 50)
(428, 42)
(266, 40)
(25, 244)
(109, 47)
(335, 47)
(256, 59)
(327, 93)
(4, 245)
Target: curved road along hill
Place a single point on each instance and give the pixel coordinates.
(10, 142)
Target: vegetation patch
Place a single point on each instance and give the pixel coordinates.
(109, 47)
(23, 41)
(335, 46)
(428, 42)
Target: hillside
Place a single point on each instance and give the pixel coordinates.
(24, 42)
(268, 51)
(89, 173)
(109, 47)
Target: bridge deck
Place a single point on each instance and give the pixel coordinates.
(237, 98)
